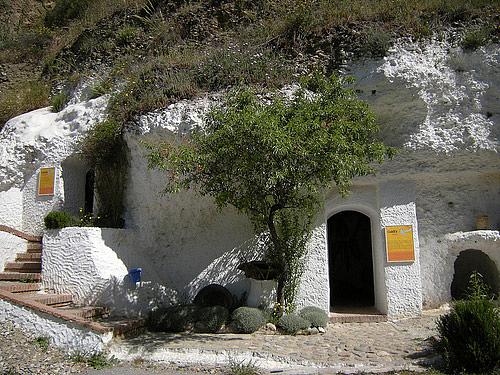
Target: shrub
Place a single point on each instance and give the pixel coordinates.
(58, 220)
(211, 318)
(173, 319)
(59, 101)
(292, 323)
(247, 319)
(125, 35)
(475, 38)
(65, 11)
(315, 316)
(469, 336)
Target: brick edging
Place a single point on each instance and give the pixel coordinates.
(11, 297)
(18, 233)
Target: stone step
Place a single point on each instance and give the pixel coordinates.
(23, 267)
(17, 287)
(29, 257)
(34, 246)
(50, 299)
(85, 312)
(30, 277)
(357, 318)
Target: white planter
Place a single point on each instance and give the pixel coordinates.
(262, 293)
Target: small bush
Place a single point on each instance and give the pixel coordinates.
(65, 11)
(469, 336)
(475, 38)
(126, 35)
(292, 323)
(59, 101)
(43, 343)
(243, 368)
(58, 220)
(315, 316)
(173, 319)
(247, 319)
(211, 318)
(96, 361)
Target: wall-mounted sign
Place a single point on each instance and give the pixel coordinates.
(46, 181)
(399, 243)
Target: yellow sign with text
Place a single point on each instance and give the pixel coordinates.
(46, 181)
(399, 243)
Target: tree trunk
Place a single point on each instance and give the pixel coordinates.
(280, 295)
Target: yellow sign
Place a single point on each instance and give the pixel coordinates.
(46, 181)
(399, 243)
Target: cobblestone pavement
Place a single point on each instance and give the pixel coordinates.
(403, 344)
(345, 348)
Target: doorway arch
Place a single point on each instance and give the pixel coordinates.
(350, 260)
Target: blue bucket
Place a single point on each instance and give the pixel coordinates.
(135, 275)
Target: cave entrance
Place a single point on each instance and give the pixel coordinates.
(350, 260)
(89, 192)
(466, 263)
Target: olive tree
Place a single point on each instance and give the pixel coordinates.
(271, 156)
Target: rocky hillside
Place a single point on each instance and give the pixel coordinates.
(150, 53)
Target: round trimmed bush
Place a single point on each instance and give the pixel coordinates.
(292, 323)
(211, 319)
(58, 220)
(315, 316)
(173, 319)
(247, 319)
(469, 336)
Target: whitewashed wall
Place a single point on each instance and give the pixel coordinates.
(11, 203)
(92, 265)
(10, 245)
(62, 334)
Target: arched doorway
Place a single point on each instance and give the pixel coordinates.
(89, 192)
(350, 260)
(466, 263)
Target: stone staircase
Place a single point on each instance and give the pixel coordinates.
(20, 283)
(23, 277)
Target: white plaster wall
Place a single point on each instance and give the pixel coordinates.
(10, 245)
(36, 207)
(449, 203)
(189, 241)
(62, 334)
(37, 139)
(92, 264)
(11, 203)
(403, 280)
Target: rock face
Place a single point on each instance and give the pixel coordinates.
(438, 104)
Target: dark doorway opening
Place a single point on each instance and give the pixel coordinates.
(466, 263)
(89, 192)
(350, 260)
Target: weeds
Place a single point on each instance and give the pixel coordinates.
(22, 98)
(243, 367)
(43, 343)
(59, 101)
(96, 361)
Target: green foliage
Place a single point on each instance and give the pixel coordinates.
(469, 336)
(178, 318)
(58, 220)
(315, 316)
(247, 319)
(272, 159)
(125, 35)
(22, 98)
(476, 38)
(210, 319)
(97, 361)
(65, 11)
(59, 101)
(42, 343)
(292, 323)
(105, 150)
(243, 368)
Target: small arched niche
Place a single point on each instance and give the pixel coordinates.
(78, 181)
(469, 261)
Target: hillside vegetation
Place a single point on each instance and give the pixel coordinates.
(161, 51)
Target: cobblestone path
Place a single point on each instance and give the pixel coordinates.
(384, 346)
